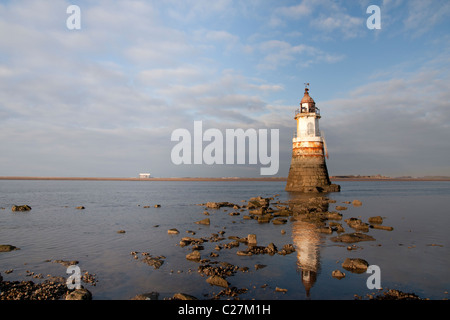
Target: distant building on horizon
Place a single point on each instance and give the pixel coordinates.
(144, 175)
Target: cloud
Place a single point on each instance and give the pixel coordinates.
(329, 17)
(277, 53)
(392, 125)
(294, 12)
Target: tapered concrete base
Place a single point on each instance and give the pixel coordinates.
(309, 174)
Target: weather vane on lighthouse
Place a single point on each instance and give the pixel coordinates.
(308, 171)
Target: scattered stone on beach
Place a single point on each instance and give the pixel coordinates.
(53, 288)
(278, 221)
(155, 262)
(336, 227)
(217, 281)
(338, 274)
(341, 208)
(265, 218)
(66, 263)
(355, 265)
(251, 239)
(270, 249)
(80, 208)
(357, 203)
(183, 296)
(287, 249)
(194, 256)
(157, 206)
(218, 205)
(24, 207)
(146, 296)
(173, 231)
(89, 278)
(393, 294)
(326, 230)
(79, 294)
(357, 224)
(277, 289)
(333, 215)
(257, 202)
(377, 226)
(205, 221)
(7, 248)
(120, 231)
(352, 237)
(377, 220)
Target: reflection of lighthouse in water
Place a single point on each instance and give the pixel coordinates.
(307, 238)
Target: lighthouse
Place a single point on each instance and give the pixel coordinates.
(308, 171)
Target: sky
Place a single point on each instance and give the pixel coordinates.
(103, 100)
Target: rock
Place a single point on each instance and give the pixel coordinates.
(357, 224)
(326, 230)
(265, 218)
(121, 231)
(194, 256)
(157, 206)
(355, 265)
(155, 262)
(24, 207)
(1, 278)
(80, 208)
(377, 219)
(287, 249)
(280, 290)
(251, 240)
(244, 253)
(357, 203)
(173, 231)
(146, 296)
(352, 237)
(338, 274)
(333, 215)
(271, 248)
(376, 226)
(79, 294)
(258, 202)
(204, 221)
(341, 208)
(183, 296)
(336, 227)
(258, 211)
(218, 205)
(7, 248)
(217, 281)
(66, 263)
(278, 221)
(393, 294)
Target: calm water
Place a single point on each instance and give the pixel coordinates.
(414, 257)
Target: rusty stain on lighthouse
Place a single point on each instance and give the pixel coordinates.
(308, 171)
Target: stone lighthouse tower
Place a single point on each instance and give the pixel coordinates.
(308, 171)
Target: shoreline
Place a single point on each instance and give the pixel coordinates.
(209, 179)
